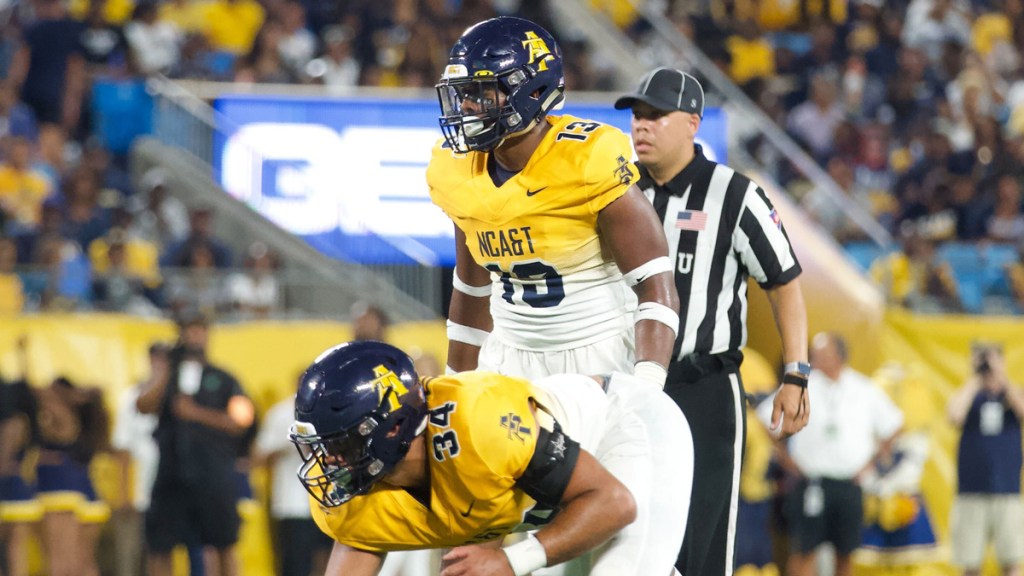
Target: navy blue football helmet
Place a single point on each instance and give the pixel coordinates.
(358, 408)
(503, 75)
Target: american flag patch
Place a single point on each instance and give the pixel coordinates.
(691, 220)
(774, 215)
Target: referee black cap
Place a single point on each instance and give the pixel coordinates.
(667, 89)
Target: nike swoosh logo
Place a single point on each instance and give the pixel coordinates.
(468, 510)
(537, 191)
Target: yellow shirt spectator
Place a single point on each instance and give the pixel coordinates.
(22, 193)
(751, 58)
(232, 25)
(620, 12)
(188, 15)
(990, 29)
(141, 259)
(114, 11)
(783, 14)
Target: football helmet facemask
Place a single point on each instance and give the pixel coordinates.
(503, 75)
(359, 407)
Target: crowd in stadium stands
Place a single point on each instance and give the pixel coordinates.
(914, 107)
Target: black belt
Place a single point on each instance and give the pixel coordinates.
(698, 364)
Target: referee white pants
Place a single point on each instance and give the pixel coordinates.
(637, 433)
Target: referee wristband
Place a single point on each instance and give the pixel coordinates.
(795, 379)
(798, 368)
(526, 556)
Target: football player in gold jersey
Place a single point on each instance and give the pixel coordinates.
(394, 462)
(548, 222)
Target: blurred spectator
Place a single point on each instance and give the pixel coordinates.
(12, 293)
(52, 75)
(854, 423)
(186, 15)
(140, 255)
(154, 43)
(203, 412)
(300, 544)
(59, 278)
(1006, 223)
(16, 118)
(254, 292)
(298, 45)
(1014, 275)
(264, 63)
(931, 23)
(84, 218)
(914, 277)
(53, 162)
(196, 285)
(200, 232)
(814, 121)
(113, 11)
(137, 455)
(118, 288)
(369, 322)
(988, 408)
(337, 67)
(752, 55)
(73, 428)
(159, 216)
(103, 44)
(111, 176)
(232, 25)
(22, 188)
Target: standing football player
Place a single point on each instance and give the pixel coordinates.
(550, 230)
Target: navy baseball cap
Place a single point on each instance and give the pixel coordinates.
(667, 89)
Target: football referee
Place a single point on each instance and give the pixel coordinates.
(721, 229)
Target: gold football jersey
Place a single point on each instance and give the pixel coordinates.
(481, 434)
(554, 286)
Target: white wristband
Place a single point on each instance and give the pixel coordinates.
(448, 370)
(659, 313)
(474, 291)
(651, 371)
(466, 334)
(526, 556)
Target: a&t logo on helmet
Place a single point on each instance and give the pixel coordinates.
(387, 381)
(537, 47)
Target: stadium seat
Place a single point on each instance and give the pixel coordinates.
(864, 253)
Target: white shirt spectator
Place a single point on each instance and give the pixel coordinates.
(154, 46)
(133, 433)
(249, 292)
(849, 418)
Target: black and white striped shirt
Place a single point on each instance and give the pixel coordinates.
(721, 229)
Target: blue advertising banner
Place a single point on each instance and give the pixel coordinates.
(348, 175)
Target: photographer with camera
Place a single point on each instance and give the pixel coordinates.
(202, 415)
(989, 409)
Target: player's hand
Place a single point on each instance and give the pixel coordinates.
(475, 560)
(791, 409)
